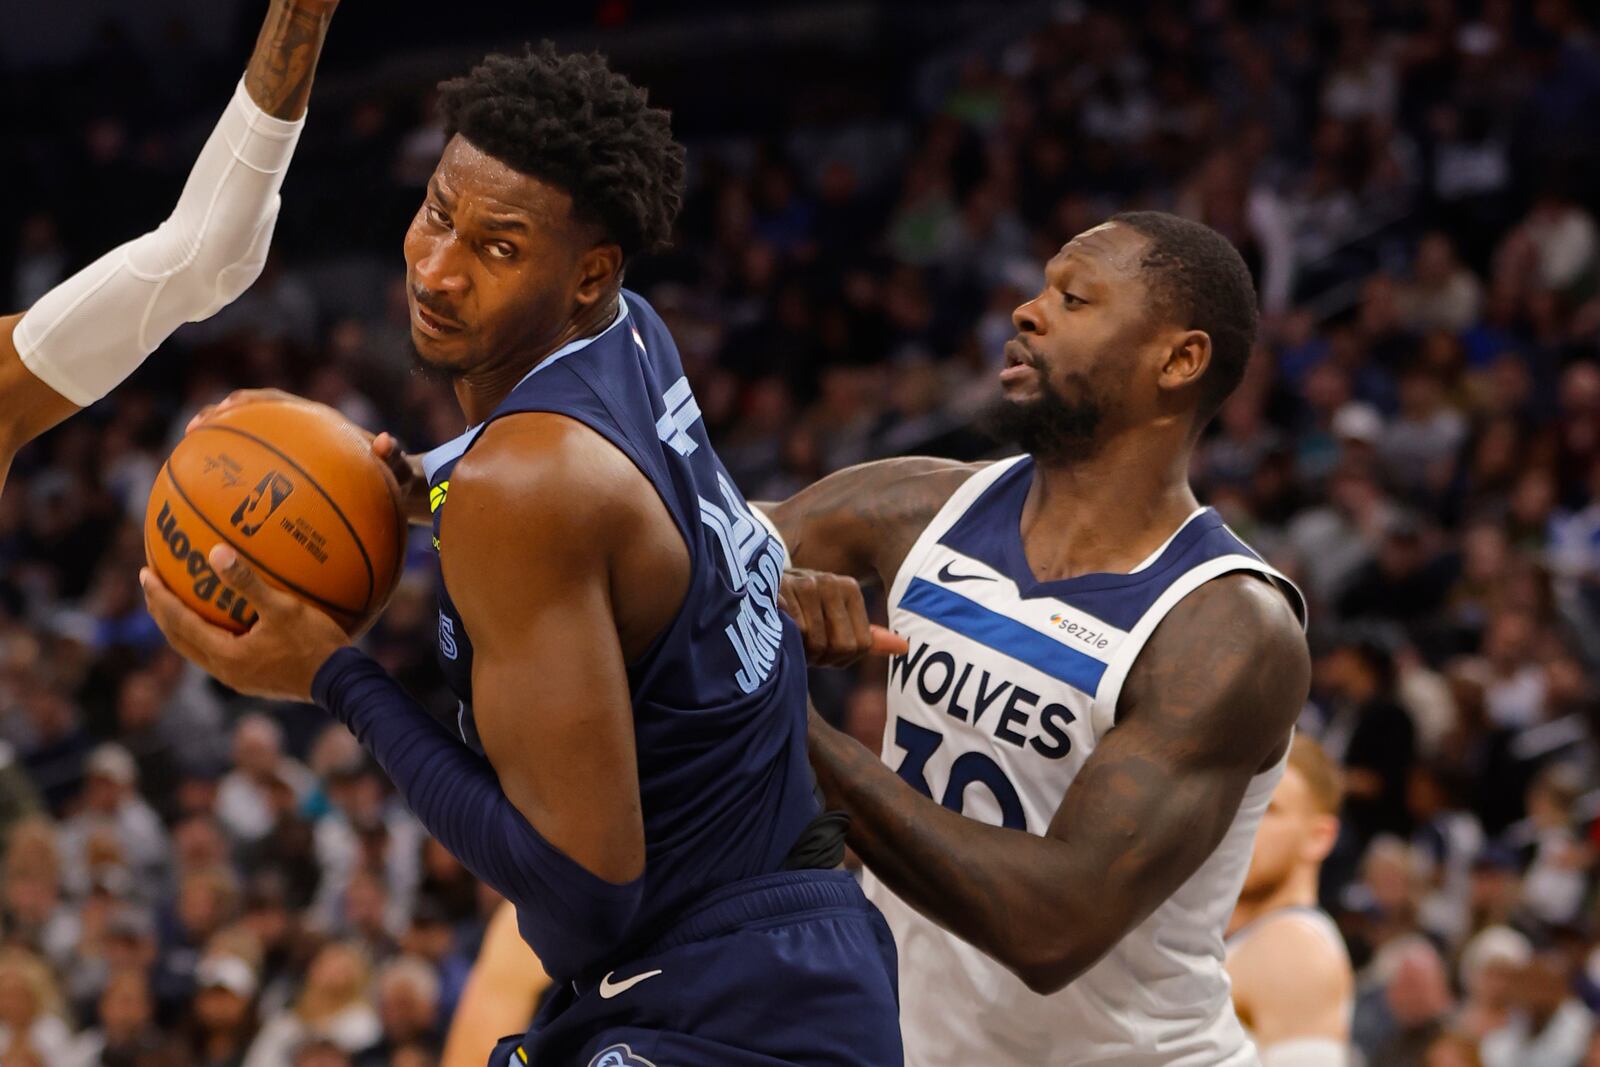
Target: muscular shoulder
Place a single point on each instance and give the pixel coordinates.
(1228, 669)
(864, 519)
(1288, 977)
(547, 479)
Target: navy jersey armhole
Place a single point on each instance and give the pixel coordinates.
(611, 432)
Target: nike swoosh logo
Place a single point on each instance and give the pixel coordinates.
(946, 576)
(609, 989)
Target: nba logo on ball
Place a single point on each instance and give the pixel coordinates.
(619, 1056)
(294, 487)
(274, 489)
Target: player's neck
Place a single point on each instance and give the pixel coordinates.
(1299, 890)
(1107, 512)
(479, 392)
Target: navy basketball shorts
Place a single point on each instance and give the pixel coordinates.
(795, 968)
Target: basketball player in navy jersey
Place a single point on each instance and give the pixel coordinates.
(87, 334)
(1101, 683)
(628, 763)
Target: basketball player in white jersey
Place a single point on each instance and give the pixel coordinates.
(94, 329)
(1292, 983)
(1101, 683)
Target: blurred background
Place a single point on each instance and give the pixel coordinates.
(193, 879)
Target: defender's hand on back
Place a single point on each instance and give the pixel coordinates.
(832, 614)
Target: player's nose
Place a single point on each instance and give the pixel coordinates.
(1026, 317)
(441, 268)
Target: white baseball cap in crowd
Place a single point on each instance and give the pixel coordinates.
(226, 971)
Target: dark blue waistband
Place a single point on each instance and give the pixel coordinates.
(783, 895)
(753, 900)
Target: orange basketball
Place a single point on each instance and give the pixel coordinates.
(295, 489)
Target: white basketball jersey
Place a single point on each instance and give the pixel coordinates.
(1008, 685)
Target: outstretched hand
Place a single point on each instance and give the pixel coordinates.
(276, 658)
(833, 619)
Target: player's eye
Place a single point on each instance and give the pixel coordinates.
(501, 250)
(1072, 300)
(435, 216)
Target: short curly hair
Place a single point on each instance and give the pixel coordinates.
(569, 120)
(1198, 280)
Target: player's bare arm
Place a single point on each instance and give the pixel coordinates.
(856, 525)
(863, 520)
(1291, 984)
(572, 527)
(1208, 705)
(30, 407)
(213, 246)
(500, 995)
(285, 58)
(551, 818)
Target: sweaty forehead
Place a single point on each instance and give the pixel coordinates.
(466, 172)
(1109, 249)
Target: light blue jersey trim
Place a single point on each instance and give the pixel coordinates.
(1005, 635)
(453, 449)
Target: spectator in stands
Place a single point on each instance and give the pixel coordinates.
(222, 1025)
(333, 1007)
(1549, 1027)
(32, 1014)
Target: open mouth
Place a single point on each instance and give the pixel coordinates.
(1018, 362)
(434, 324)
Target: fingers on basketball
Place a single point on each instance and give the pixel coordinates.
(190, 634)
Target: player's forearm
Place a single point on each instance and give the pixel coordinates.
(1017, 897)
(812, 538)
(566, 911)
(28, 406)
(285, 57)
(92, 330)
(861, 521)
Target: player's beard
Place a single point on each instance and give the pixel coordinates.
(1050, 427)
(428, 370)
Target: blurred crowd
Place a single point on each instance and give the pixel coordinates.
(192, 879)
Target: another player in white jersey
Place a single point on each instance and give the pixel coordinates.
(1101, 683)
(88, 333)
(1292, 983)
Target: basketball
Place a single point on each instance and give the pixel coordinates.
(294, 488)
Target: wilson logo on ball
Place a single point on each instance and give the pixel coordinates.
(257, 507)
(208, 587)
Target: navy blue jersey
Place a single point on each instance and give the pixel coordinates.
(719, 700)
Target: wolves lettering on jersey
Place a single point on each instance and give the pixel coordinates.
(941, 673)
(1008, 684)
(719, 702)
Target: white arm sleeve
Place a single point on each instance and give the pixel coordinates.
(1306, 1052)
(95, 328)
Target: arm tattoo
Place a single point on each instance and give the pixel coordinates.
(863, 520)
(1208, 704)
(285, 58)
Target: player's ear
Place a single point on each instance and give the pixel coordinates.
(598, 271)
(1187, 357)
(1324, 833)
